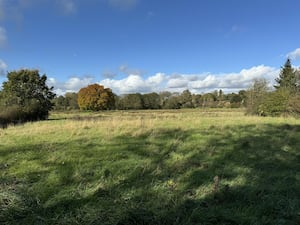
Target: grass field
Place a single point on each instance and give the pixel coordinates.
(151, 167)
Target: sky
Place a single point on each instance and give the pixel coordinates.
(148, 46)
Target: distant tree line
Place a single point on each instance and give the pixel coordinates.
(93, 98)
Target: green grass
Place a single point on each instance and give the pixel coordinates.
(151, 167)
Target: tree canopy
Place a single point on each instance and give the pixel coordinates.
(26, 95)
(95, 97)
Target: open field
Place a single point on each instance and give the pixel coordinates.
(151, 167)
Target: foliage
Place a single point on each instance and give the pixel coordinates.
(186, 100)
(275, 103)
(287, 78)
(255, 97)
(26, 96)
(293, 107)
(131, 102)
(67, 102)
(151, 101)
(95, 97)
(180, 167)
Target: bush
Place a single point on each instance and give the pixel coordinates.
(10, 115)
(294, 105)
(275, 103)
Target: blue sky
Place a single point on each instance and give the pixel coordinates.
(149, 45)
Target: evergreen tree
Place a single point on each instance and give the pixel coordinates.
(287, 77)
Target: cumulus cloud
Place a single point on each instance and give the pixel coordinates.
(136, 84)
(196, 83)
(3, 37)
(3, 68)
(294, 54)
(73, 84)
(234, 81)
(123, 4)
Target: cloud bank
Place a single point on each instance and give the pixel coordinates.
(196, 83)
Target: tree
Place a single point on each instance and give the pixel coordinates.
(151, 101)
(27, 92)
(287, 78)
(196, 100)
(95, 97)
(172, 102)
(255, 96)
(67, 102)
(275, 103)
(186, 99)
(208, 100)
(131, 101)
(72, 100)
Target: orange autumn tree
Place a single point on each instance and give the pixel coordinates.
(95, 97)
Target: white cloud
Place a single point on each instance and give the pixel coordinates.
(196, 83)
(294, 54)
(177, 83)
(3, 37)
(131, 84)
(73, 84)
(235, 81)
(3, 68)
(123, 4)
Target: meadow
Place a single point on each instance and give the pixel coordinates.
(176, 167)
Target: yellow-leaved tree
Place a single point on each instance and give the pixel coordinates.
(95, 97)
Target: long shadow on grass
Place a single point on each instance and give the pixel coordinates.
(235, 175)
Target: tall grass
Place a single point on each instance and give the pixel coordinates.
(151, 167)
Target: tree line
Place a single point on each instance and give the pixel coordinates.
(25, 96)
(137, 101)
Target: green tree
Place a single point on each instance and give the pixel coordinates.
(151, 101)
(27, 92)
(60, 103)
(131, 101)
(275, 103)
(208, 100)
(173, 102)
(71, 100)
(196, 100)
(287, 78)
(95, 97)
(186, 99)
(255, 97)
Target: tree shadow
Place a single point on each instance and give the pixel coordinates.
(237, 175)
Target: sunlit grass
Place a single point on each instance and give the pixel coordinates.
(151, 167)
